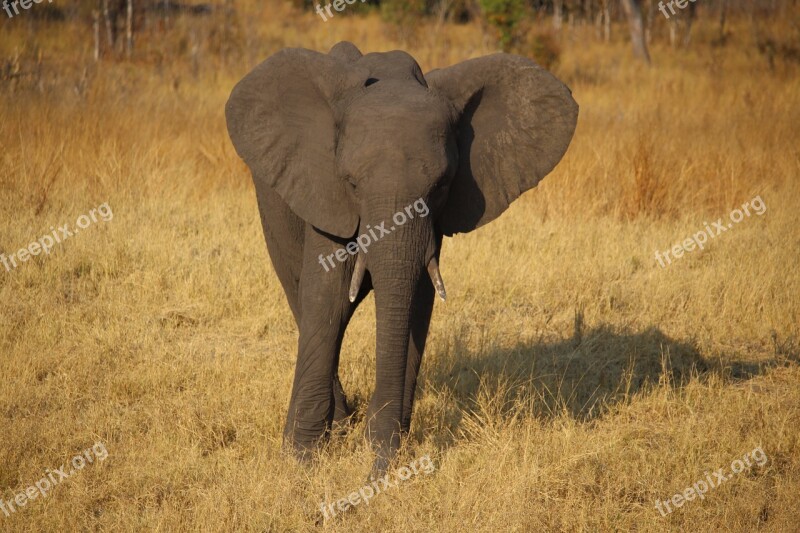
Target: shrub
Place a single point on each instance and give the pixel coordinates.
(504, 16)
(404, 13)
(540, 46)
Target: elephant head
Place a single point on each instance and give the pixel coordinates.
(349, 140)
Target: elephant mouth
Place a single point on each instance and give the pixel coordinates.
(361, 268)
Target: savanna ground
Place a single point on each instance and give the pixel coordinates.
(569, 380)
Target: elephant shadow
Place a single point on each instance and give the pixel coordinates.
(582, 377)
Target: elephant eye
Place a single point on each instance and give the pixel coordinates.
(370, 81)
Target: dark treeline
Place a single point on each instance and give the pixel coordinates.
(529, 27)
(511, 20)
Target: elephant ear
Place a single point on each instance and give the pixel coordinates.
(516, 122)
(281, 120)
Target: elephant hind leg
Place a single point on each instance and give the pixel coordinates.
(343, 410)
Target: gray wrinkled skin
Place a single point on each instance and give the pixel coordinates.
(341, 141)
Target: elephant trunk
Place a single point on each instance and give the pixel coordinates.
(393, 302)
(396, 264)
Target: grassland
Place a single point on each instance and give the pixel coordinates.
(569, 380)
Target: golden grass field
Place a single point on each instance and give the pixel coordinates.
(569, 381)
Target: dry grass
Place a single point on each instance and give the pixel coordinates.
(569, 381)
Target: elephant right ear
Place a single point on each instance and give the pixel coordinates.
(282, 123)
(516, 122)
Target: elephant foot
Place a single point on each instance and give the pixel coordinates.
(342, 413)
(380, 468)
(385, 453)
(341, 427)
(304, 456)
(304, 443)
(384, 435)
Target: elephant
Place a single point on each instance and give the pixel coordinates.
(338, 144)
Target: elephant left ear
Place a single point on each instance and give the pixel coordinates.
(516, 122)
(282, 120)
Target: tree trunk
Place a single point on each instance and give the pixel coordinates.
(96, 33)
(598, 24)
(109, 26)
(634, 13)
(673, 33)
(558, 14)
(129, 30)
(723, 8)
(691, 14)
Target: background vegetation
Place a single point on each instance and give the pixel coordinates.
(569, 381)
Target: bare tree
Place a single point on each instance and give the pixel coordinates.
(633, 11)
(96, 33)
(682, 25)
(129, 29)
(606, 11)
(558, 13)
(723, 9)
(109, 26)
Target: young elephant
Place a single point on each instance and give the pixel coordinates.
(363, 159)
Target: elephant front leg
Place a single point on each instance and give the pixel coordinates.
(312, 404)
(317, 396)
